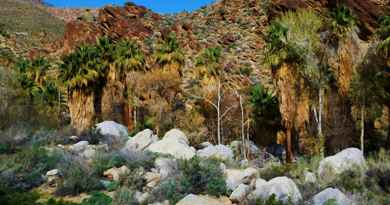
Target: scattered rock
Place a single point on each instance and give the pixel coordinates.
(52, 176)
(141, 197)
(221, 152)
(192, 199)
(152, 179)
(347, 159)
(240, 193)
(283, 187)
(235, 177)
(141, 141)
(331, 193)
(174, 143)
(115, 173)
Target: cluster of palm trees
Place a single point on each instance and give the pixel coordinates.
(298, 51)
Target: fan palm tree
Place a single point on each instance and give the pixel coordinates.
(169, 54)
(82, 72)
(126, 57)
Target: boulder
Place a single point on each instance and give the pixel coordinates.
(112, 132)
(141, 197)
(329, 194)
(235, 177)
(79, 147)
(347, 159)
(310, 178)
(240, 193)
(115, 173)
(205, 144)
(141, 141)
(283, 188)
(192, 199)
(174, 143)
(165, 166)
(52, 176)
(221, 152)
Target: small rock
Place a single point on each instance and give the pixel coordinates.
(115, 173)
(53, 172)
(152, 179)
(240, 193)
(235, 177)
(192, 199)
(310, 177)
(330, 193)
(79, 147)
(165, 166)
(141, 197)
(112, 132)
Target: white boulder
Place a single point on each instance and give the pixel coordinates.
(141, 141)
(235, 177)
(79, 147)
(174, 143)
(113, 132)
(192, 199)
(340, 162)
(310, 178)
(115, 173)
(283, 188)
(221, 152)
(240, 193)
(331, 194)
(165, 166)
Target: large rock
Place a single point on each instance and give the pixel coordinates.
(112, 131)
(174, 143)
(347, 159)
(79, 147)
(331, 194)
(240, 193)
(221, 152)
(235, 177)
(141, 141)
(192, 199)
(283, 188)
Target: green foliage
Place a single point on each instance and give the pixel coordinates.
(77, 179)
(29, 165)
(9, 196)
(272, 200)
(173, 190)
(273, 170)
(384, 35)
(265, 104)
(203, 176)
(124, 196)
(210, 58)
(169, 52)
(342, 20)
(105, 161)
(331, 202)
(378, 172)
(58, 202)
(97, 198)
(293, 38)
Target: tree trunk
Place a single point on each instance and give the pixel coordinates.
(362, 112)
(289, 152)
(82, 110)
(219, 113)
(321, 105)
(244, 144)
(112, 100)
(127, 112)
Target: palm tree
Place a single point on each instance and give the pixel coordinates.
(169, 54)
(126, 57)
(82, 73)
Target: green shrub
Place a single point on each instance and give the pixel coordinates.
(203, 176)
(342, 20)
(272, 200)
(124, 196)
(97, 198)
(10, 196)
(173, 190)
(331, 202)
(77, 179)
(105, 161)
(58, 202)
(350, 180)
(273, 170)
(134, 180)
(29, 165)
(378, 173)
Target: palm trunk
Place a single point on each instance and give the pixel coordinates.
(112, 99)
(82, 110)
(289, 152)
(362, 112)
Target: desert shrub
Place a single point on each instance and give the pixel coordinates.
(97, 198)
(11, 196)
(134, 180)
(124, 196)
(272, 200)
(378, 172)
(331, 202)
(135, 160)
(342, 20)
(77, 179)
(351, 180)
(25, 168)
(105, 161)
(273, 170)
(52, 201)
(203, 176)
